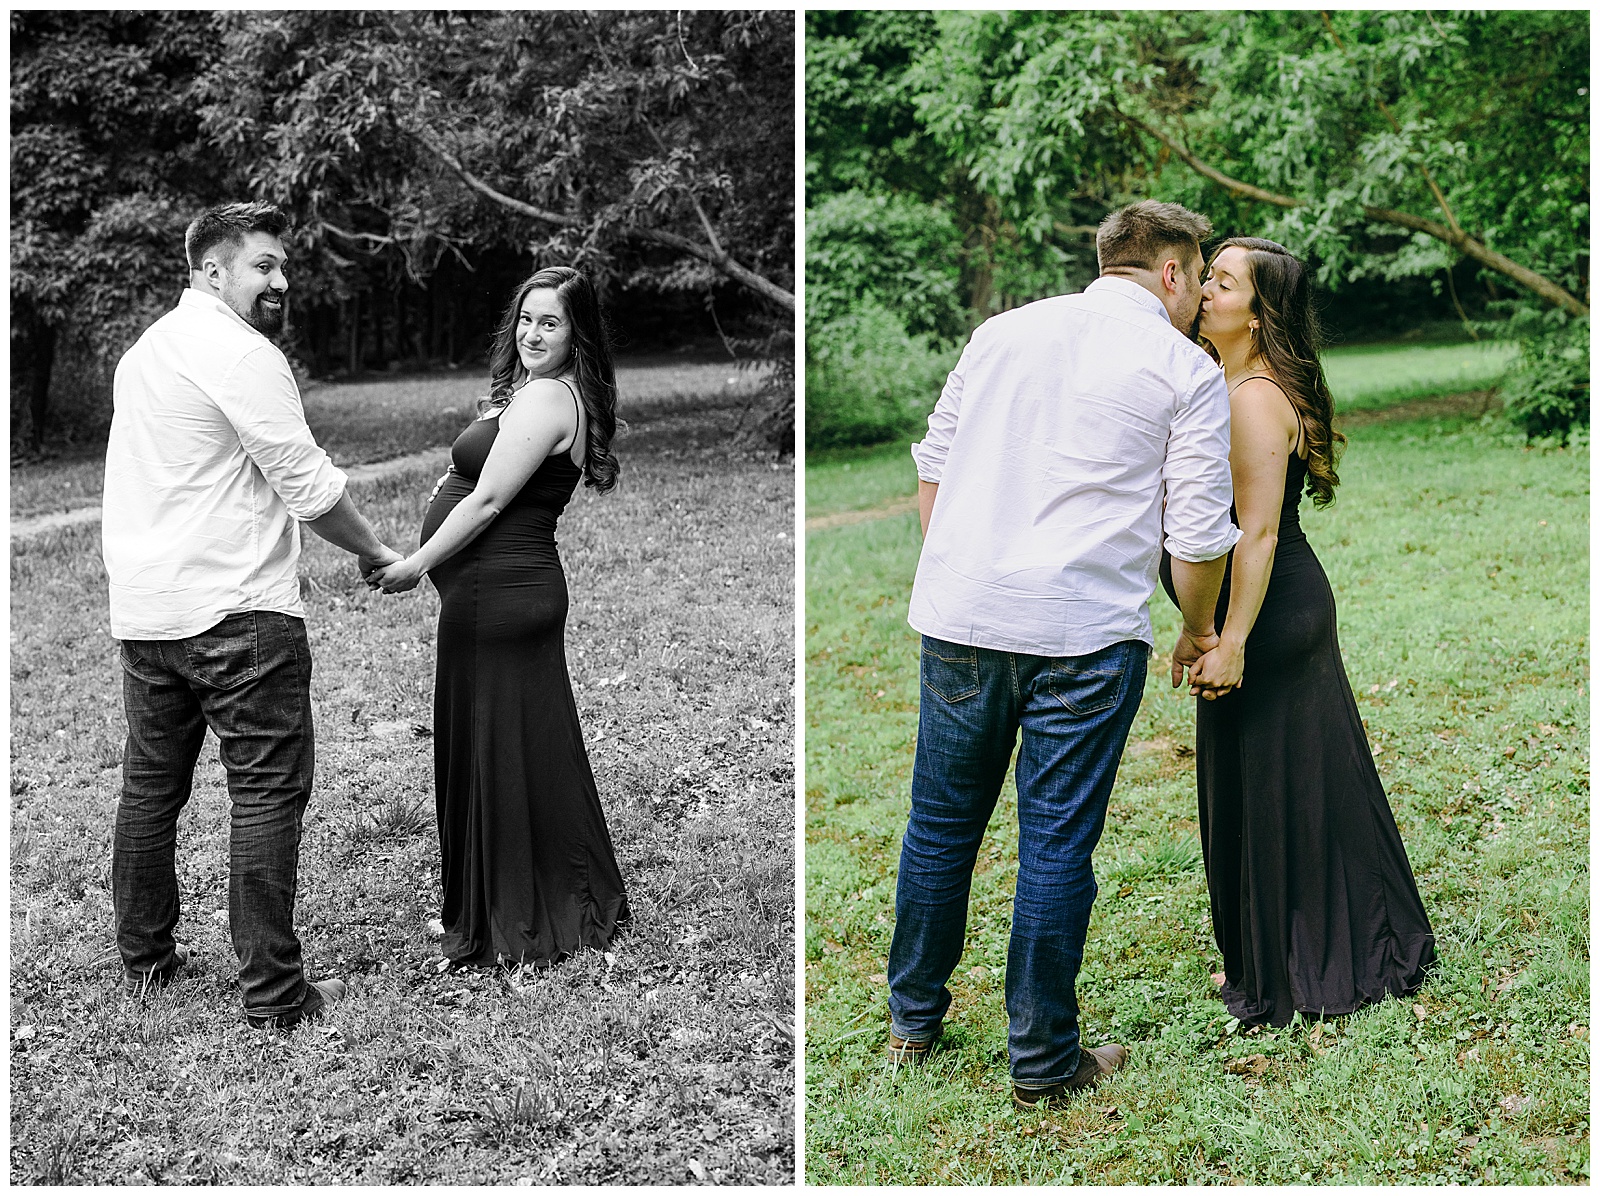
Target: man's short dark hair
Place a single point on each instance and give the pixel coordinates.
(1142, 235)
(228, 224)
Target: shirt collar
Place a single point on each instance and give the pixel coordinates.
(201, 301)
(1131, 290)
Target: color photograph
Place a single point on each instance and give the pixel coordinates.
(1196, 722)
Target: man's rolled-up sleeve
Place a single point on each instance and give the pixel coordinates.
(930, 452)
(261, 400)
(1199, 480)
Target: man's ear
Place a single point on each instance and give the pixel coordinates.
(1171, 270)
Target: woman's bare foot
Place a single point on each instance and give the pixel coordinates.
(1219, 978)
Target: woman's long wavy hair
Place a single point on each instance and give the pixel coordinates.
(590, 364)
(1287, 340)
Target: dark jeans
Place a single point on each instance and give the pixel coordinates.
(248, 679)
(1074, 713)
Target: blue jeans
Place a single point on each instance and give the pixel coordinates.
(1074, 713)
(248, 679)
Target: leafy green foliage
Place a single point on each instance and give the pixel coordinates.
(900, 251)
(1027, 127)
(868, 378)
(1547, 393)
(861, 127)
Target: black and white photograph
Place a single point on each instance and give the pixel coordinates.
(402, 608)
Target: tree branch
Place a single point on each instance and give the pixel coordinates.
(713, 256)
(1427, 174)
(1549, 291)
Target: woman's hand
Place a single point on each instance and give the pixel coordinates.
(396, 578)
(439, 485)
(1218, 671)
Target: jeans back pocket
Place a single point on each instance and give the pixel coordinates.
(227, 655)
(1085, 685)
(949, 670)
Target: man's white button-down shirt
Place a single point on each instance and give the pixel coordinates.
(1061, 431)
(209, 466)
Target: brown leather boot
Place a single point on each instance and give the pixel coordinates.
(1093, 1064)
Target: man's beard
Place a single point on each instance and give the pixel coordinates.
(268, 321)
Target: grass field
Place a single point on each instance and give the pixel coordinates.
(377, 418)
(669, 1059)
(1459, 558)
(1363, 377)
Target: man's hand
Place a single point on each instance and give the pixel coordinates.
(371, 564)
(1191, 647)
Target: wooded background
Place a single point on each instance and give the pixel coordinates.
(428, 160)
(1433, 166)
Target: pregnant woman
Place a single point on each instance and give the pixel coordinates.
(528, 870)
(1312, 898)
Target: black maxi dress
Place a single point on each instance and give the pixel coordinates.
(529, 874)
(1313, 903)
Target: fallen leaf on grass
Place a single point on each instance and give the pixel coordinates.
(1515, 1104)
(877, 978)
(696, 1166)
(1254, 1065)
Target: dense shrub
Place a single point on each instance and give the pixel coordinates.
(1547, 392)
(883, 312)
(868, 378)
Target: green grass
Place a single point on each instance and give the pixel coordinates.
(1363, 379)
(666, 1059)
(375, 419)
(1459, 559)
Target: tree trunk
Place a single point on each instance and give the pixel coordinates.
(44, 359)
(353, 354)
(430, 322)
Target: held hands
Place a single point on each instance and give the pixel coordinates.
(369, 564)
(1190, 648)
(394, 578)
(1219, 671)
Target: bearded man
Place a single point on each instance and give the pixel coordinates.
(210, 469)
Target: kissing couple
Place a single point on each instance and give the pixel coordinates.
(1084, 447)
(210, 470)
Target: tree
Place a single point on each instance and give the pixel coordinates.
(1469, 133)
(404, 145)
(1381, 144)
(601, 138)
(106, 171)
(636, 145)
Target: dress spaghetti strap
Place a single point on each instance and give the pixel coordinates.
(577, 415)
(1299, 423)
